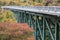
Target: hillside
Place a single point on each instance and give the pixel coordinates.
(28, 2)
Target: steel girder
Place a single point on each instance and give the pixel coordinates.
(44, 28)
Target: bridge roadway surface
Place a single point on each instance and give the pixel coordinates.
(49, 10)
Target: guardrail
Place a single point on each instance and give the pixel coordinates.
(45, 20)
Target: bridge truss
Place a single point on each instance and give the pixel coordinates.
(45, 20)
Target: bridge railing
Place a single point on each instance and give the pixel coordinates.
(44, 20)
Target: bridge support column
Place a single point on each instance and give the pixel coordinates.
(44, 28)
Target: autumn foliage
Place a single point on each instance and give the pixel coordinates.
(15, 31)
(11, 30)
(7, 16)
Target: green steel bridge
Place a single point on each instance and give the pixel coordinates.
(45, 20)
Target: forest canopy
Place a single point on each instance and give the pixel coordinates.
(29, 2)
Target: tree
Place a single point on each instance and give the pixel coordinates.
(48, 1)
